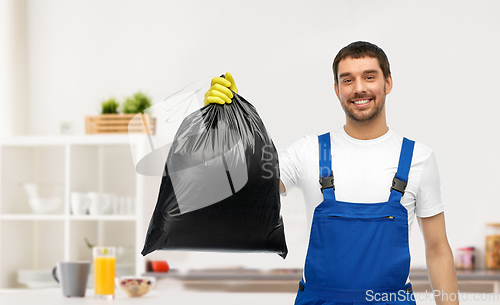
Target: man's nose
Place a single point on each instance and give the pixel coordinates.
(360, 87)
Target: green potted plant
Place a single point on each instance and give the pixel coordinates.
(109, 106)
(137, 103)
(111, 121)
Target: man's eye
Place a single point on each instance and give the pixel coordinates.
(370, 77)
(347, 80)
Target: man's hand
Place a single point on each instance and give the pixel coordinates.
(220, 90)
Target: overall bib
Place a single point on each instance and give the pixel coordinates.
(358, 252)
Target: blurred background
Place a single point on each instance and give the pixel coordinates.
(61, 59)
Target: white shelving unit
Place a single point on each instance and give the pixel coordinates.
(97, 163)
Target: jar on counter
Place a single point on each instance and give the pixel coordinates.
(464, 259)
(492, 246)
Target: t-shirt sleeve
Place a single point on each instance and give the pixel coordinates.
(428, 201)
(289, 162)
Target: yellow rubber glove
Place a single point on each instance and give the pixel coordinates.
(220, 90)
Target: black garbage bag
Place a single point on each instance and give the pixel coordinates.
(221, 188)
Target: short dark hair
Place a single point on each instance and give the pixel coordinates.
(360, 49)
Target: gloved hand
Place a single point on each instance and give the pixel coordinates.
(220, 90)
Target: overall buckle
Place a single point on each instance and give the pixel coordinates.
(398, 185)
(326, 183)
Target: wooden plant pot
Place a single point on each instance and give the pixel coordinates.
(120, 123)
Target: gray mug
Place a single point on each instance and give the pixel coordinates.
(74, 276)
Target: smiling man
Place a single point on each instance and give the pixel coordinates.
(361, 86)
(363, 187)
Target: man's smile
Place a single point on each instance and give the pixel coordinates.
(361, 103)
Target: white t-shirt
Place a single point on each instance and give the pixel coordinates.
(363, 171)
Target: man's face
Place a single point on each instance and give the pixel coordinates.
(362, 88)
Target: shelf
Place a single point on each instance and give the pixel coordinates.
(33, 141)
(70, 217)
(25, 246)
(31, 217)
(104, 217)
(79, 163)
(19, 165)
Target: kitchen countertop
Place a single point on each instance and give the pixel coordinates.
(462, 275)
(171, 288)
(234, 274)
(296, 274)
(169, 291)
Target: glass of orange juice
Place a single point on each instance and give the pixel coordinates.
(104, 272)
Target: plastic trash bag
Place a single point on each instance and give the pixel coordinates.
(221, 188)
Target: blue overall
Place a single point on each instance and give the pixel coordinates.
(358, 252)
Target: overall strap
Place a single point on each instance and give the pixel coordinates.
(325, 167)
(401, 178)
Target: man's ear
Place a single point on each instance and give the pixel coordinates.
(388, 84)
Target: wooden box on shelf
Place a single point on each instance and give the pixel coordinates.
(120, 123)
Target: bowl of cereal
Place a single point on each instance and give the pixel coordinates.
(135, 286)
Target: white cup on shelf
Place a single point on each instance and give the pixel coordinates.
(115, 205)
(80, 203)
(126, 205)
(100, 204)
(113, 202)
(129, 205)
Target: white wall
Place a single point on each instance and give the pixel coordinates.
(442, 53)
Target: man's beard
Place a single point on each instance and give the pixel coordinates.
(360, 116)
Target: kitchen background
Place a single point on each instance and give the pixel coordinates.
(60, 59)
